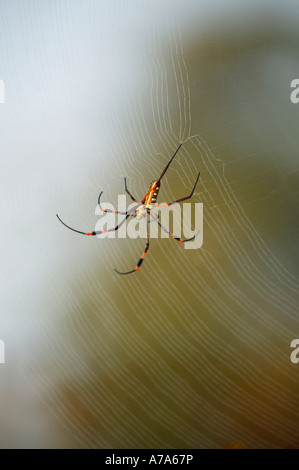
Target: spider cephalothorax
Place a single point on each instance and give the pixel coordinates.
(142, 210)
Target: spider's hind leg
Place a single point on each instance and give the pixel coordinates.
(183, 240)
(97, 232)
(140, 259)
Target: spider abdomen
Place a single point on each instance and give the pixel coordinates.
(155, 194)
(152, 195)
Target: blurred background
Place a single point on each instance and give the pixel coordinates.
(194, 350)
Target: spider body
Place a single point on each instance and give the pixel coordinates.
(152, 194)
(142, 210)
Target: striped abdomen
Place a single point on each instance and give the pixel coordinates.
(151, 196)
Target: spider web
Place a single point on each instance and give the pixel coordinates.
(194, 350)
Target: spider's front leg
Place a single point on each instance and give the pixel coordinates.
(128, 192)
(96, 232)
(130, 213)
(109, 210)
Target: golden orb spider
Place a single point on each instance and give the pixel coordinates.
(142, 210)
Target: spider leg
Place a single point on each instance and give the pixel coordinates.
(153, 220)
(109, 210)
(182, 198)
(97, 232)
(163, 173)
(142, 256)
(166, 168)
(127, 191)
(183, 240)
